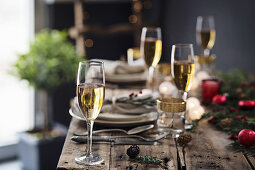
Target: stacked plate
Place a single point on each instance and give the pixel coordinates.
(116, 119)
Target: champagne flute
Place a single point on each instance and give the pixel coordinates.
(90, 92)
(183, 67)
(205, 33)
(151, 47)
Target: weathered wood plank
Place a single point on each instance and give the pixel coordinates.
(209, 150)
(251, 161)
(72, 150)
(167, 149)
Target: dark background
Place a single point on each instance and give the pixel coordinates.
(234, 21)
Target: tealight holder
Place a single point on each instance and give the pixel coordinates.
(171, 115)
(210, 88)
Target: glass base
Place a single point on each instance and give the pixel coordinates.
(89, 160)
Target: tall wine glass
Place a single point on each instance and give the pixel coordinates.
(205, 33)
(90, 92)
(183, 67)
(151, 47)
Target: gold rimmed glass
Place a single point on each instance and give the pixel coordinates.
(171, 114)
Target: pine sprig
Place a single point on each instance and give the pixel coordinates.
(240, 148)
(139, 101)
(236, 85)
(148, 160)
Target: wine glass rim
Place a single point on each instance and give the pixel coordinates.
(93, 61)
(182, 45)
(151, 28)
(207, 16)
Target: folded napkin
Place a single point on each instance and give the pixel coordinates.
(118, 71)
(119, 67)
(119, 111)
(126, 108)
(126, 118)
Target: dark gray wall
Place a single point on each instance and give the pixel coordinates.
(235, 27)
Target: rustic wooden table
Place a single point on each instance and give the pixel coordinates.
(207, 150)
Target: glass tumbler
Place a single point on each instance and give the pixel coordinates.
(171, 115)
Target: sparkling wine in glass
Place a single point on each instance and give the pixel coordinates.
(151, 47)
(205, 33)
(90, 92)
(183, 67)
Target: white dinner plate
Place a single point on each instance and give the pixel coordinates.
(128, 122)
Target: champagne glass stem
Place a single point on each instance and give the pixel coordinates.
(150, 77)
(89, 140)
(206, 52)
(185, 95)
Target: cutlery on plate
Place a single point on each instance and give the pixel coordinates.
(83, 139)
(135, 130)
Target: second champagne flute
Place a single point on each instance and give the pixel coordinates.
(205, 33)
(183, 67)
(90, 92)
(151, 47)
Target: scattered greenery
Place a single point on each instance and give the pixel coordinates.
(236, 85)
(148, 160)
(50, 62)
(139, 101)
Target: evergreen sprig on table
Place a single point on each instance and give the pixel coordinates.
(236, 86)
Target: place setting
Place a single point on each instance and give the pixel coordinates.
(171, 110)
(127, 85)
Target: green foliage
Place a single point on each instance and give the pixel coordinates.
(50, 62)
(231, 81)
(232, 86)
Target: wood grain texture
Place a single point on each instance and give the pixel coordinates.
(209, 150)
(251, 161)
(167, 149)
(72, 150)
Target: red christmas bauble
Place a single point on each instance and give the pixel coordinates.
(219, 99)
(246, 137)
(246, 104)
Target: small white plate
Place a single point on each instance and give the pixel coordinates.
(149, 118)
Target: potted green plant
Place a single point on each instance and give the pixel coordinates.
(50, 62)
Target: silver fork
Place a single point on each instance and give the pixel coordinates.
(83, 139)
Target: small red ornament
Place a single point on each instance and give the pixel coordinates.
(232, 136)
(141, 92)
(244, 84)
(246, 137)
(239, 117)
(219, 99)
(246, 104)
(232, 109)
(136, 95)
(245, 118)
(211, 119)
